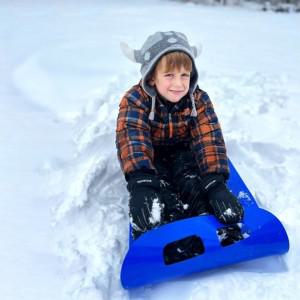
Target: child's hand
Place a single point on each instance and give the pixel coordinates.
(145, 207)
(225, 205)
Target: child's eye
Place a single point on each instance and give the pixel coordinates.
(186, 75)
(168, 75)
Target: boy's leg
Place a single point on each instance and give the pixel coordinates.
(186, 178)
(170, 197)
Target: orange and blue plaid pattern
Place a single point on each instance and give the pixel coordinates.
(136, 135)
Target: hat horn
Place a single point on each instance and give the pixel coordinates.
(127, 51)
(197, 50)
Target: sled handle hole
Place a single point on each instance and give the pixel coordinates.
(183, 249)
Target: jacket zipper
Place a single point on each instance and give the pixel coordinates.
(170, 126)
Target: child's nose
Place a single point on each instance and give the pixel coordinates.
(178, 81)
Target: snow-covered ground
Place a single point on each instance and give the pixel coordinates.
(64, 203)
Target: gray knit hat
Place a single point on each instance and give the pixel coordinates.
(157, 45)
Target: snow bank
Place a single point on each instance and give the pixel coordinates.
(91, 212)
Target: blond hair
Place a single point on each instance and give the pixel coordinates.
(174, 61)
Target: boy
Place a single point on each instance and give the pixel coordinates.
(169, 142)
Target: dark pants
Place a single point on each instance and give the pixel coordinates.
(180, 183)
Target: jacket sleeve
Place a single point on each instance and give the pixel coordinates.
(133, 137)
(207, 139)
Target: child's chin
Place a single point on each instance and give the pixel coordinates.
(173, 98)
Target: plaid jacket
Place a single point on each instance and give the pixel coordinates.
(136, 134)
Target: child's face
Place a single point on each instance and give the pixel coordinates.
(172, 85)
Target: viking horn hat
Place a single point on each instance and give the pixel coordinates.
(153, 49)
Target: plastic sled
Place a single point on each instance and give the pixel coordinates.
(264, 235)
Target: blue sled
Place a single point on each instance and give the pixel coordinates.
(263, 234)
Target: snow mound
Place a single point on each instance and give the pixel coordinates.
(90, 215)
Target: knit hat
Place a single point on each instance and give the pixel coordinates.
(157, 45)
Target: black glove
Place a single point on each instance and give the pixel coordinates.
(145, 207)
(192, 194)
(224, 204)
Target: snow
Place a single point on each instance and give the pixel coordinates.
(229, 212)
(155, 216)
(64, 216)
